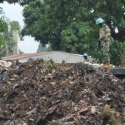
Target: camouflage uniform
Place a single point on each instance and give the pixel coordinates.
(105, 39)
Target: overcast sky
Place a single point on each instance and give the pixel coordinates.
(14, 13)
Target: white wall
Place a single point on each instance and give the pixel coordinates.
(57, 57)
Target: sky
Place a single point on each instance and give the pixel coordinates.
(14, 13)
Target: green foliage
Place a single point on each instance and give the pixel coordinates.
(3, 25)
(49, 66)
(7, 38)
(42, 48)
(117, 52)
(40, 26)
(6, 32)
(1, 40)
(65, 70)
(75, 38)
(110, 117)
(21, 2)
(14, 25)
(70, 25)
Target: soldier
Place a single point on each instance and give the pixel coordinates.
(105, 41)
(85, 55)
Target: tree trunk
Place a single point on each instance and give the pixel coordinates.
(6, 47)
(15, 49)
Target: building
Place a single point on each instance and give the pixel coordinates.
(56, 56)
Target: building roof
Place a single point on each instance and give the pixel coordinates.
(26, 55)
(19, 56)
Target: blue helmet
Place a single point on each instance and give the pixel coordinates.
(99, 20)
(85, 54)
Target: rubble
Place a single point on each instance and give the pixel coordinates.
(5, 64)
(44, 93)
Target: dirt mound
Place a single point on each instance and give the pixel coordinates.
(44, 93)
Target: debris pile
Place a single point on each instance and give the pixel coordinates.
(44, 93)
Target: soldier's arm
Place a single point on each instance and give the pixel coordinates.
(107, 30)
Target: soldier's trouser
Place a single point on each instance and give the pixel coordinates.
(105, 46)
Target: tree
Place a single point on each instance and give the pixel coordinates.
(8, 41)
(42, 48)
(21, 2)
(60, 23)
(48, 29)
(88, 11)
(10, 1)
(75, 38)
(3, 25)
(117, 52)
(15, 30)
(6, 33)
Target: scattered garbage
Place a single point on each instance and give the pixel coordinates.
(45, 93)
(5, 64)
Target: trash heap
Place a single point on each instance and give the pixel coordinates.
(44, 93)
